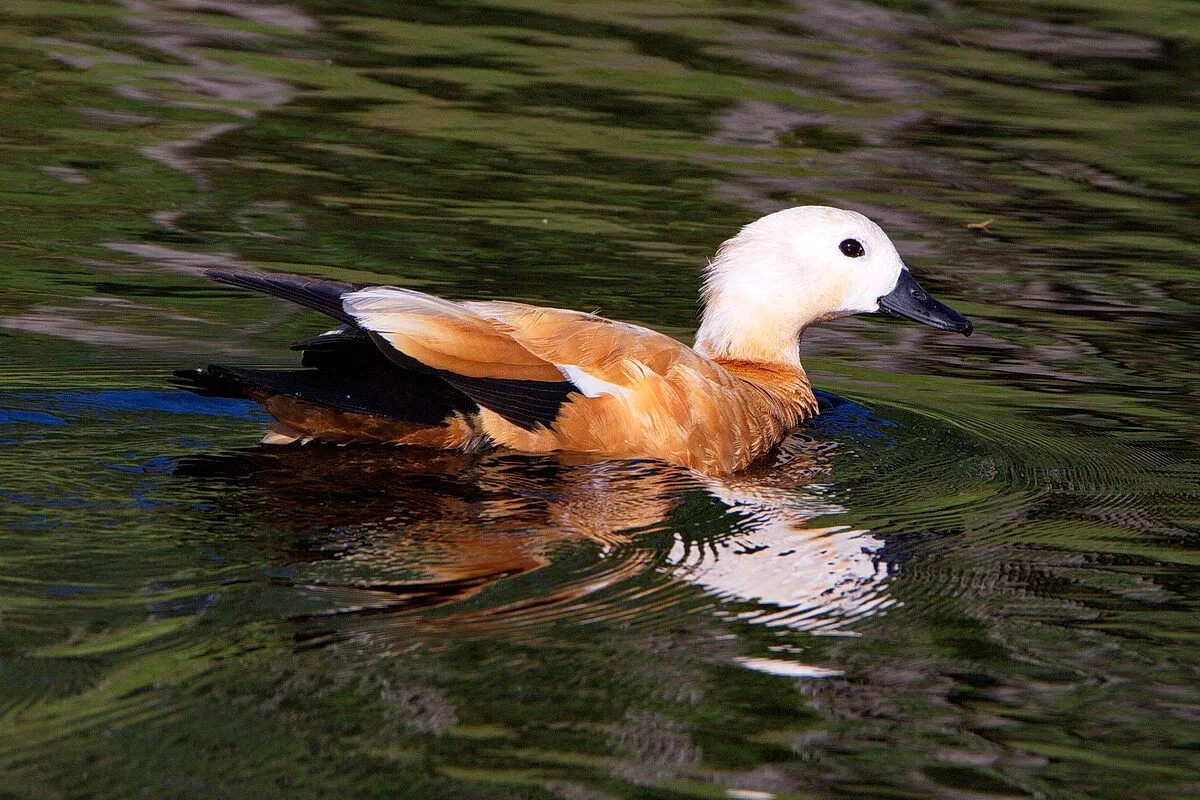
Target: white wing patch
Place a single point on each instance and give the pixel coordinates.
(388, 309)
(590, 385)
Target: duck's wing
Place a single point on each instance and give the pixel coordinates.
(444, 335)
(590, 347)
(479, 356)
(529, 352)
(522, 362)
(474, 354)
(317, 294)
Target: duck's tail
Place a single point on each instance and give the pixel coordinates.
(211, 381)
(350, 390)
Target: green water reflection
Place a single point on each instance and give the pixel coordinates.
(973, 575)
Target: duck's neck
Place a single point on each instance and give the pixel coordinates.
(762, 352)
(729, 333)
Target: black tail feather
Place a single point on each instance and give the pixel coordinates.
(319, 295)
(211, 381)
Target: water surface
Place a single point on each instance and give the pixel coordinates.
(975, 574)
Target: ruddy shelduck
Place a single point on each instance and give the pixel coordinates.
(410, 368)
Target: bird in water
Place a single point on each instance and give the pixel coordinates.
(406, 367)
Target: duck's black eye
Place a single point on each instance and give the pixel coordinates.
(852, 248)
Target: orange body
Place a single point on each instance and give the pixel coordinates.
(641, 393)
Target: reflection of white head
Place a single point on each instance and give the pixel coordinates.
(787, 271)
(806, 578)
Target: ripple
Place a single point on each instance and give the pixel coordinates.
(787, 669)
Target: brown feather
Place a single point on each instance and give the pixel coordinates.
(446, 336)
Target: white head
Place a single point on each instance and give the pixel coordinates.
(801, 266)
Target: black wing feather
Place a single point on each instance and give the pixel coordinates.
(524, 403)
(319, 295)
(336, 339)
(341, 349)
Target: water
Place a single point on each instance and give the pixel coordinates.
(974, 575)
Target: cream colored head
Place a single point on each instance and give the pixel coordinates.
(801, 266)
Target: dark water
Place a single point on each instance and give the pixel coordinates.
(975, 575)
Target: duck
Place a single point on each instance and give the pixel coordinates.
(408, 368)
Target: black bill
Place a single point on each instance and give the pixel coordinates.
(910, 301)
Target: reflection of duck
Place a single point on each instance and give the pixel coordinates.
(387, 533)
(410, 368)
(799, 575)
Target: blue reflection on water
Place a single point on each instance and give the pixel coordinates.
(846, 420)
(123, 400)
(10, 417)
